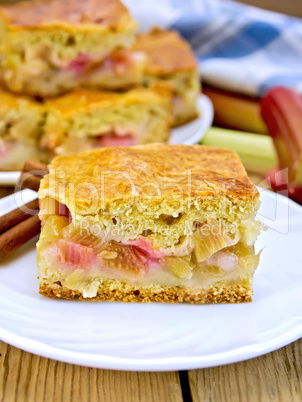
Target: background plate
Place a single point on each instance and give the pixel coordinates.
(9, 178)
(188, 134)
(161, 336)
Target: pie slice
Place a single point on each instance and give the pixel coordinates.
(86, 119)
(51, 46)
(21, 121)
(148, 223)
(171, 60)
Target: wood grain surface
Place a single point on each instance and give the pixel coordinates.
(26, 377)
(273, 377)
(290, 7)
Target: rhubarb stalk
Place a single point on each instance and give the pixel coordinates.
(256, 151)
(281, 109)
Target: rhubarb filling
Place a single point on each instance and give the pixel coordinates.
(121, 63)
(72, 145)
(55, 75)
(82, 261)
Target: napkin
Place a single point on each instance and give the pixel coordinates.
(239, 47)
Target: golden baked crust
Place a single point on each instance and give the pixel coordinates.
(128, 293)
(185, 119)
(104, 14)
(153, 176)
(167, 52)
(8, 100)
(83, 100)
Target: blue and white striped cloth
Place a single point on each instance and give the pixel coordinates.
(239, 47)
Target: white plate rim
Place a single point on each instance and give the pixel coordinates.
(165, 364)
(156, 364)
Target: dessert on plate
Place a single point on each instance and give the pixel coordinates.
(86, 119)
(152, 222)
(171, 60)
(82, 119)
(50, 46)
(21, 121)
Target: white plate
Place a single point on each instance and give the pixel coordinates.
(188, 134)
(9, 178)
(162, 336)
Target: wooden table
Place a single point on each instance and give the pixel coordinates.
(290, 7)
(274, 377)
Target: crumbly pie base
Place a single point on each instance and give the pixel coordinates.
(123, 292)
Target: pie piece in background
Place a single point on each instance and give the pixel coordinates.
(51, 46)
(21, 122)
(86, 119)
(170, 59)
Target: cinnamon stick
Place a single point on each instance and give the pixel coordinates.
(18, 235)
(31, 175)
(31, 166)
(30, 181)
(17, 227)
(18, 215)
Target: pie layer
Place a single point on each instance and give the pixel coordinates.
(83, 119)
(86, 119)
(50, 47)
(83, 263)
(145, 219)
(171, 61)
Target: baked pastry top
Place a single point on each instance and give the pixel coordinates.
(154, 177)
(77, 14)
(83, 100)
(167, 52)
(8, 100)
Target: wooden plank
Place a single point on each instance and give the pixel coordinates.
(274, 377)
(26, 377)
(5, 191)
(292, 7)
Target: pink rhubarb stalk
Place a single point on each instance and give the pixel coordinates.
(281, 109)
